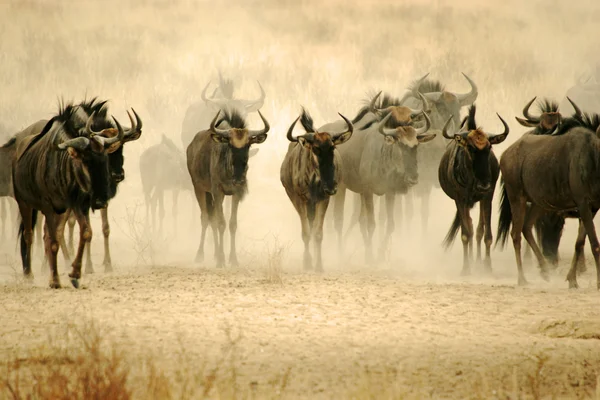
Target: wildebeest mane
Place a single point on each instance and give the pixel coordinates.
(383, 101)
(427, 86)
(10, 142)
(586, 120)
(471, 124)
(307, 121)
(547, 106)
(226, 86)
(233, 118)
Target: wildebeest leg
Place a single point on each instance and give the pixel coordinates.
(408, 209)
(26, 238)
(51, 246)
(219, 228)
(235, 202)
(370, 226)
(480, 230)
(357, 214)
(530, 218)
(466, 235)
(106, 232)
(588, 220)
(60, 235)
(71, 221)
(161, 209)
(85, 237)
(425, 195)
(579, 246)
(174, 210)
(153, 209)
(518, 209)
(3, 217)
(391, 225)
(320, 211)
(338, 216)
(205, 217)
(486, 210)
(38, 235)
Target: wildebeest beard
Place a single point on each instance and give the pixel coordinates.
(398, 164)
(232, 171)
(102, 184)
(481, 169)
(327, 180)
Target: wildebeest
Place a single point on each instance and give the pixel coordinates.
(567, 184)
(381, 160)
(442, 104)
(6, 189)
(63, 165)
(162, 168)
(310, 174)
(549, 225)
(217, 161)
(198, 115)
(468, 172)
(586, 93)
(116, 160)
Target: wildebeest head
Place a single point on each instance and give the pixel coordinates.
(478, 146)
(228, 101)
(238, 138)
(322, 149)
(89, 149)
(398, 130)
(549, 120)
(442, 103)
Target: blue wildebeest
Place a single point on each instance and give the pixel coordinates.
(569, 184)
(310, 174)
(586, 93)
(6, 187)
(117, 174)
(62, 165)
(442, 104)
(381, 160)
(198, 115)
(468, 172)
(162, 168)
(217, 161)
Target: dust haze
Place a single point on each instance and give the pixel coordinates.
(426, 331)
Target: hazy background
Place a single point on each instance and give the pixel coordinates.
(156, 56)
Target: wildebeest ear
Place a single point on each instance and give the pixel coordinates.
(389, 139)
(219, 138)
(258, 139)
(426, 137)
(252, 152)
(524, 122)
(302, 140)
(497, 139)
(75, 155)
(343, 138)
(113, 147)
(460, 140)
(134, 136)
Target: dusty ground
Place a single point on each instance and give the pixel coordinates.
(343, 334)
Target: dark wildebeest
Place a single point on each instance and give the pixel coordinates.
(64, 165)
(381, 160)
(117, 174)
(217, 160)
(310, 174)
(568, 184)
(6, 190)
(442, 104)
(198, 115)
(468, 172)
(162, 168)
(549, 225)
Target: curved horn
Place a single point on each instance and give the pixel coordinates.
(506, 129)
(104, 141)
(468, 98)
(577, 109)
(416, 86)
(526, 112)
(445, 129)
(257, 104)
(79, 143)
(262, 131)
(527, 123)
(424, 129)
(88, 125)
(348, 124)
(415, 112)
(289, 132)
(203, 94)
(386, 131)
(136, 127)
(374, 101)
(224, 132)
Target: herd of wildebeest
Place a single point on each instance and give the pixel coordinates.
(65, 166)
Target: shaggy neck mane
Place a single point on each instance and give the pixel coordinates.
(427, 86)
(233, 119)
(588, 121)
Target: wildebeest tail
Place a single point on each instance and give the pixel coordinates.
(449, 239)
(22, 229)
(505, 218)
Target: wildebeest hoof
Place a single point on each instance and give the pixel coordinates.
(545, 274)
(199, 259)
(522, 281)
(233, 261)
(54, 285)
(108, 268)
(465, 272)
(573, 284)
(75, 283)
(89, 269)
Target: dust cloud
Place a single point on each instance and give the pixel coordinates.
(157, 56)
